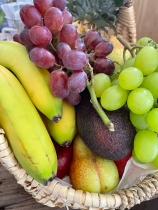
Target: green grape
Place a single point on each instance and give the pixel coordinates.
(146, 145)
(146, 60)
(139, 121)
(116, 73)
(130, 78)
(157, 66)
(136, 158)
(137, 129)
(145, 41)
(114, 82)
(150, 82)
(152, 119)
(155, 162)
(140, 100)
(128, 63)
(101, 83)
(113, 98)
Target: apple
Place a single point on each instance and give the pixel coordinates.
(122, 163)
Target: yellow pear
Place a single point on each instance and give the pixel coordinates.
(90, 172)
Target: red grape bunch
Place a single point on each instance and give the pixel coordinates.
(53, 43)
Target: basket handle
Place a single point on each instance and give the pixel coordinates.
(126, 24)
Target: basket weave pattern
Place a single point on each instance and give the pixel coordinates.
(126, 25)
(55, 194)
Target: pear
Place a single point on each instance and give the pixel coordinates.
(90, 172)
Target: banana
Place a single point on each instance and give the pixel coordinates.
(25, 131)
(35, 80)
(64, 131)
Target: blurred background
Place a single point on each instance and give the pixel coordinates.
(146, 16)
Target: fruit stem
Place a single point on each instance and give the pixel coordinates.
(94, 101)
(53, 48)
(126, 45)
(98, 108)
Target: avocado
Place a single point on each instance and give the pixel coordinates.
(112, 145)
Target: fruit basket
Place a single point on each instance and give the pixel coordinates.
(59, 192)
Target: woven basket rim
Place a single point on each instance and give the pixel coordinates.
(56, 194)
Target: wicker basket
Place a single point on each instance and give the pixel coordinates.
(126, 25)
(56, 194)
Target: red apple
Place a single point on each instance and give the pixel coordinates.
(122, 163)
(64, 155)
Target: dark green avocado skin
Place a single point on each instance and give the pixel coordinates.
(112, 145)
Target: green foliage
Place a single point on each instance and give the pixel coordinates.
(119, 3)
(102, 13)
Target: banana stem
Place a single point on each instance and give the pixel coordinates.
(98, 108)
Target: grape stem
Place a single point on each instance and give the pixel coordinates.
(96, 105)
(99, 109)
(126, 45)
(53, 48)
(61, 67)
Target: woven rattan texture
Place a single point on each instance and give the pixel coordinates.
(126, 25)
(56, 194)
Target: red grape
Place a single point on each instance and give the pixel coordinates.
(16, 38)
(75, 60)
(53, 20)
(58, 83)
(77, 81)
(90, 36)
(67, 17)
(62, 48)
(104, 65)
(69, 35)
(103, 49)
(58, 61)
(42, 57)
(92, 58)
(30, 47)
(79, 39)
(40, 35)
(95, 42)
(42, 5)
(79, 45)
(24, 36)
(25, 39)
(73, 98)
(61, 4)
(30, 16)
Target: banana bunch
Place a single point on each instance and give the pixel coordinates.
(30, 114)
(64, 131)
(35, 80)
(25, 130)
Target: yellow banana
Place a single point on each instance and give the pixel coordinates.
(35, 80)
(64, 131)
(25, 131)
